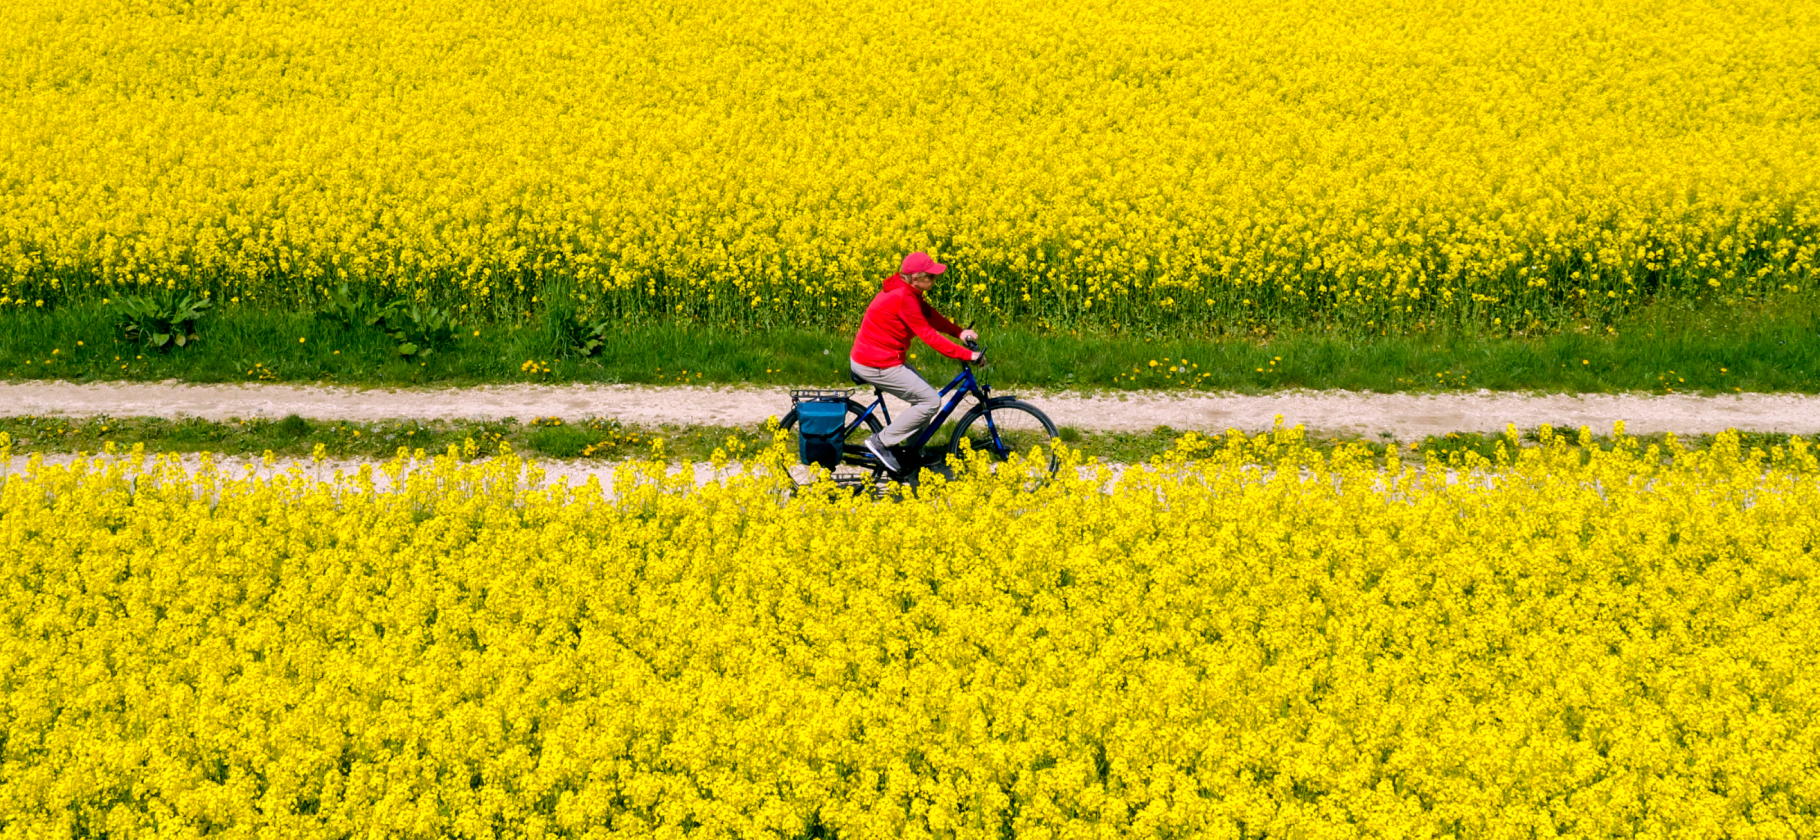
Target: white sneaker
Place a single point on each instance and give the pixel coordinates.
(883, 455)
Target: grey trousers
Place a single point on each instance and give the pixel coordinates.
(906, 384)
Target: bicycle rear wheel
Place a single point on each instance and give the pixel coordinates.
(847, 473)
(1004, 426)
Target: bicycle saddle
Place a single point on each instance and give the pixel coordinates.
(855, 377)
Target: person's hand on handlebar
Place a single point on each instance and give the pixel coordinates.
(969, 337)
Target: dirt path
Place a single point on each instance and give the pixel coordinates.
(575, 472)
(1404, 416)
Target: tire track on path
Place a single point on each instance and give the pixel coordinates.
(1405, 416)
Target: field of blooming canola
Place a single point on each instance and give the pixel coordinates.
(1253, 641)
(1145, 164)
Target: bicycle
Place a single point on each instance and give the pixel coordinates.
(995, 425)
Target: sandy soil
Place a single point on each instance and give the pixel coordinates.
(1404, 416)
(575, 472)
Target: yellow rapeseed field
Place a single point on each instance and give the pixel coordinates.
(1258, 641)
(1141, 163)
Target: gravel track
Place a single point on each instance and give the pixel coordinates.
(575, 472)
(1404, 416)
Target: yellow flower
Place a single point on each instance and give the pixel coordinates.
(1123, 644)
(752, 210)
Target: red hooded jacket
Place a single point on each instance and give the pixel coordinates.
(896, 313)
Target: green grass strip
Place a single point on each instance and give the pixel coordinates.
(605, 439)
(1770, 347)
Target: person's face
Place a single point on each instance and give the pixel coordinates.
(920, 281)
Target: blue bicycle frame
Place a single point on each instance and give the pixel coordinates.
(964, 383)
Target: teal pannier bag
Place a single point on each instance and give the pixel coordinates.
(818, 431)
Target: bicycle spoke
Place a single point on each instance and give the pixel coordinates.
(846, 473)
(1007, 428)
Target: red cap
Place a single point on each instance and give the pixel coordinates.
(921, 263)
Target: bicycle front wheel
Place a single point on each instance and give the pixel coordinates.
(1004, 426)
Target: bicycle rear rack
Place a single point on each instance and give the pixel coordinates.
(819, 394)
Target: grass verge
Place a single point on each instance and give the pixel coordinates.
(607, 439)
(1766, 347)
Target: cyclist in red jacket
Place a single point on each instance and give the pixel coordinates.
(878, 357)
